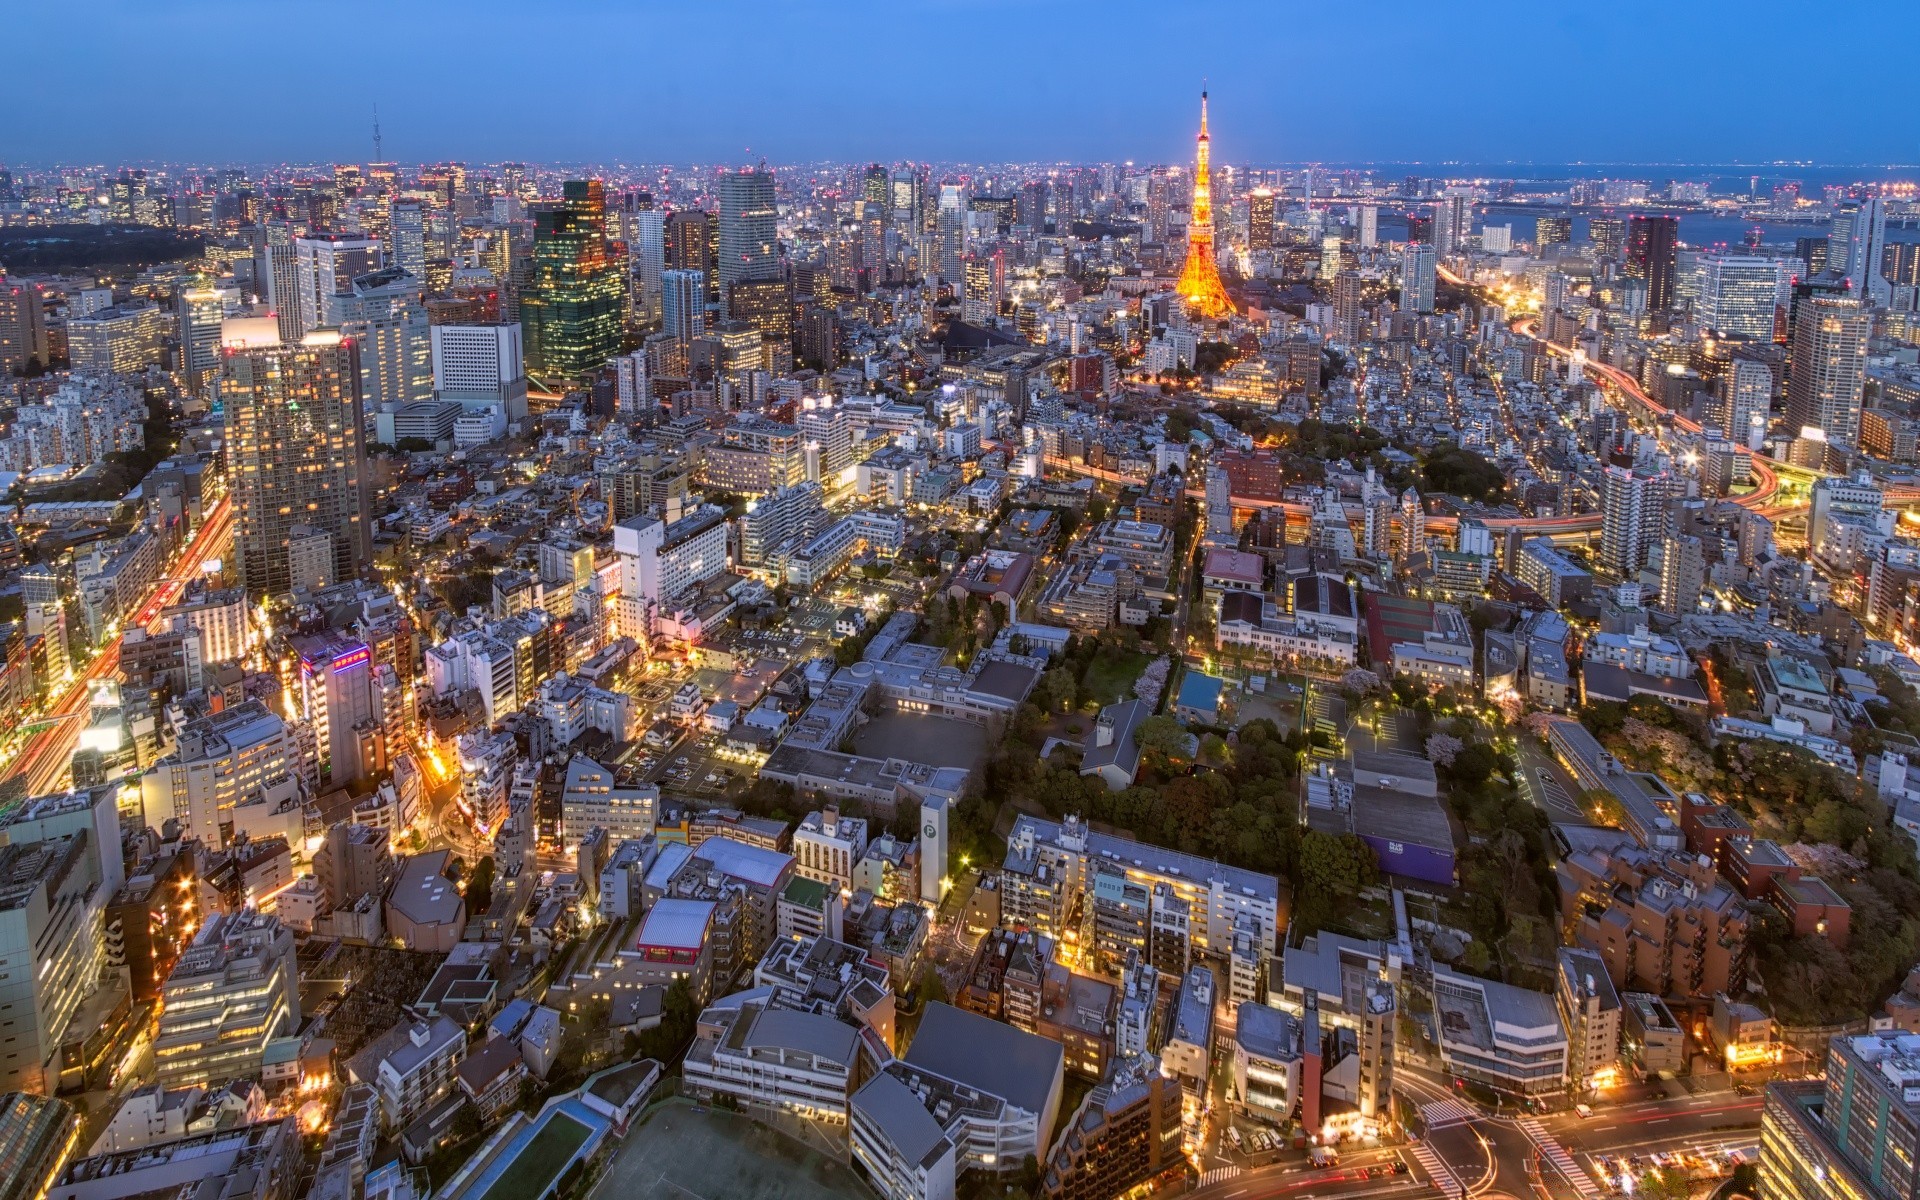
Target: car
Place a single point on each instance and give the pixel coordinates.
(1583, 1110)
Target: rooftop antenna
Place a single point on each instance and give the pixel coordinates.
(377, 155)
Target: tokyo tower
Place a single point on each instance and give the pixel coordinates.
(1200, 278)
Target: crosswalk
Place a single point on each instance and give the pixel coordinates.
(1555, 1154)
(1444, 1114)
(1437, 1171)
(1219, 1175)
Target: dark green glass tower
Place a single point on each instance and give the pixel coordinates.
(571, 311)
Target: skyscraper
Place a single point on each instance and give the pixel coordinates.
(325, 265)
(683, 304)
(1260, 219)
(407, 228)
(1608, 235)
(1200, 282)
(1652, 254)
(1369, 226)
(951, 227)
(1633, 515)
(1856, 249)
(1552, 231)
(571, 309)
(1417, 263)
(294, 448)
(1452, 223)
(646, 259)
(1739, 292)
(1828, 372)
(748, 234)
(986, 286)
(1745, 395)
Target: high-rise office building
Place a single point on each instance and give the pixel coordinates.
(1348, 292)
(683, 304)
(1744, 399)
(749, 246)
(1856, 249)
(295, 446)
(480, 365)
(986, 286)
(1608, 235)
(1739, 293)
(1452, 223)
(1260, 219)
(646, 259)
(325, 265)
(951, 232)
(1369, 226)
(1552, 231)
(407, 233)
(201, 310)
(1828, 372)
(382, 314)
(1652, 256)
(1852, 1133)
(1417, 263)
(1633, 516)
(571, 311)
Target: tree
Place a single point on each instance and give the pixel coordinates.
(930, 988)
(480, 886)
(1163, 737)
(1333, 867)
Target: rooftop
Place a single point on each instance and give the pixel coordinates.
(1019, 1067)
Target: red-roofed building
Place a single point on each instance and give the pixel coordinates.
(1232, 571)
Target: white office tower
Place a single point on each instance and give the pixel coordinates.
(662, 560)
(646, 259)
(1745, 400)
(324, 265)
(1496, 239)
(1855, 247)
(201, 310)
(1739, 294)
(826, 435)
(1219, 503)
(1834, 501)
(933, 848)
(1369, 226)
(1376, 500)
(683, 304)
(1633, 514)
(634, 395)
(382, 313)
(407, 229)
(481, 366)
(749, 246)
(1417, 271)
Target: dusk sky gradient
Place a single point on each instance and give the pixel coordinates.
(960, 80)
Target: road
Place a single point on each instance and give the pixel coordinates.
(44, 759)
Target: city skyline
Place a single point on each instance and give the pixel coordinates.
(810, 83)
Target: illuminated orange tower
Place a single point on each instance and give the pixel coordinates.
(1200, 278)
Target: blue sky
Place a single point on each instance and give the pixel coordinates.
(715, 80)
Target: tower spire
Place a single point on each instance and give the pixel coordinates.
(378, 156)
(1200, 282)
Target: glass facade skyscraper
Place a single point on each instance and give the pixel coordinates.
(572, 310)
